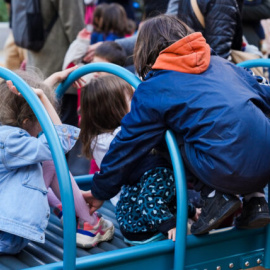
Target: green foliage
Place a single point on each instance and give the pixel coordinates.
(3, 11)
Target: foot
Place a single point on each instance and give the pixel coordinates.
(58, 212)
(255, 214)
(88, 236)
(214, 210)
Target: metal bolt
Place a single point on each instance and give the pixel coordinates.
(247, 263)
(231, 265)
(259, 261)
(218, 267)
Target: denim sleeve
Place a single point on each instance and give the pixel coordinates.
(21, 149)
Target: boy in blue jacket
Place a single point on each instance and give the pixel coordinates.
(218, 112)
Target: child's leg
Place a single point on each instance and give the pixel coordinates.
(53, 200)
(142, 211)
(11, 244)
(81, 208)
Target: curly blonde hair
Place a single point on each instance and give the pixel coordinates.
(15, 109)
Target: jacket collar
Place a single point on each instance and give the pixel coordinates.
(190, 54)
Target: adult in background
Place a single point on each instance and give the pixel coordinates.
(223, 28)
(253, 12)
(70, 20)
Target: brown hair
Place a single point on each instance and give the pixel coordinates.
(14, 109)
(112, 52)
(103, 105)
(98, 15)
(155, 35)
(115, 20)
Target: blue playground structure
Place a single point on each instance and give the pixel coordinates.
(223, 249)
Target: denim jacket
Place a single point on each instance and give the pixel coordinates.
(24, 209)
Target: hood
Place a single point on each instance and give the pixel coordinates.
(190, 54)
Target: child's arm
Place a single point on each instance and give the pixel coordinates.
(43, 98)
(77, 49)
(60, 76)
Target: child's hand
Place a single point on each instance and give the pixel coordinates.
(60, 76)
(172, 234)
(91, 52)
(84, 34)
(94, 204)
(14, 90)
(197, 215)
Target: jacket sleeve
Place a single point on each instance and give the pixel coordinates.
(256, 12)
(21, 149)
(140, 132)
(76, 52)
(220, 25)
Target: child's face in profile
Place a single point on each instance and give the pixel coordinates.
(98, 59)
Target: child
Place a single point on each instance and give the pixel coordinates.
(112, 25)
(108, 51)
(21, 175)
(104, 102)
(221, 125)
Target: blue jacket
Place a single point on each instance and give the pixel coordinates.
(218, 110)
(24, 209)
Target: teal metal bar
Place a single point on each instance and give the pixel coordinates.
(60, 165)
(262, 62)
(117, 258)
(181, 191)
(250, 64)
(97, 67)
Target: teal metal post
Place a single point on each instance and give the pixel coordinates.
(60, 165)
(181, 191)
(97, 67)
(251, 64)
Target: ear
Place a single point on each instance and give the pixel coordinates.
(25, 121)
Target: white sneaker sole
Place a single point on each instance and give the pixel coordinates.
(85, 241)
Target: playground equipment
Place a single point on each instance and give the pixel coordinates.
(229, 249)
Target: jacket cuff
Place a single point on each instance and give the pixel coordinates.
(97, 190)
(167, 225)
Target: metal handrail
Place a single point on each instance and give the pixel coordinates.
(60, 165)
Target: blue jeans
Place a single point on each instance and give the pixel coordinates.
(11, 244)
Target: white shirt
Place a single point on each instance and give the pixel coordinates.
(101, 146)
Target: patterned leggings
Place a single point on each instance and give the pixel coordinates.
(144, 206)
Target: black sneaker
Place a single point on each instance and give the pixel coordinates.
(214, 211)
(255, 214)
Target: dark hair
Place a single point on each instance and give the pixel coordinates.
(14, 109)
(112, 52)
(155, 35)
(103, 105)
(115, 20)
(98, 15)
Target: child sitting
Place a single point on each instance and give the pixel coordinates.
(22, 171)
(146, 208)
(221, 125)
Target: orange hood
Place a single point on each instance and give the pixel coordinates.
(190, 54)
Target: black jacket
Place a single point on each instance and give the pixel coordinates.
(223, 29)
